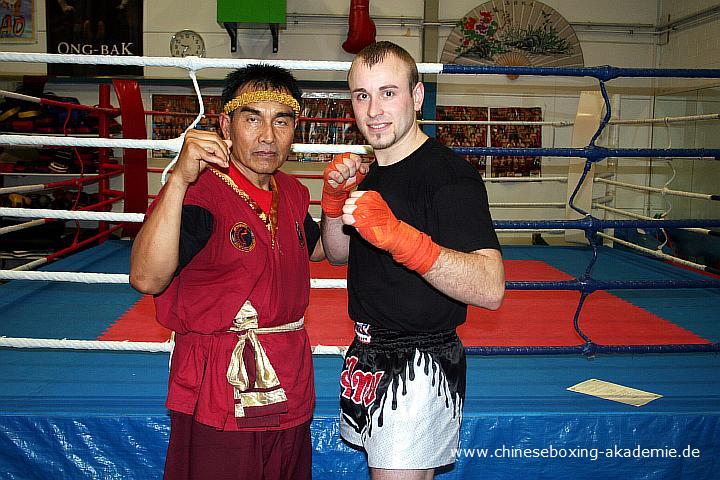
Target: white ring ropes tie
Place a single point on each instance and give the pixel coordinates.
(113, 345)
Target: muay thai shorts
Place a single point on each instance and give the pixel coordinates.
(401, 397)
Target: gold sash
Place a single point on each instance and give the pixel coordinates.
(246, 323)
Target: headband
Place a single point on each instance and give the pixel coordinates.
(262, 96)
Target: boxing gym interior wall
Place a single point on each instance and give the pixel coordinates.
(643, 34)
(695, 44)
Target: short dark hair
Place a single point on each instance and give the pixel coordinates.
(376, 53)
(263, 77)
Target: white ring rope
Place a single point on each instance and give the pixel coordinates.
(189, 63)
(665, 120)
(603, 199)
(551, 231)
(125, 346)
(663, 190)
(329, 350)
(668, 203)
(19, 96)
(328, 283)
(201, 114)
(38, 187)
(71, 214)
(523, 179)
(172, 144)
(21, 226)
(31, 265)
(328, 148)
(122, 278)
(653, 253)
(527, 204)
(86, 344)
(703, 231)
(72, 277)
(497, 122)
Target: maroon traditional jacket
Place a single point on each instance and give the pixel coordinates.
(243, 260)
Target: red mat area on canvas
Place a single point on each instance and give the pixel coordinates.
(526, 318)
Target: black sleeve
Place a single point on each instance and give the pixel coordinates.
(195, 230)
(462, 217)
(312, 233)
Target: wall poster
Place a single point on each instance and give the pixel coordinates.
(516, 136)
(94, 27)
(513, 136)
(167, 126)
(17, 21)
(464, 135)
(326, 105)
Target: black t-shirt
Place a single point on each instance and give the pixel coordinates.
(197, 224)
(439, 193)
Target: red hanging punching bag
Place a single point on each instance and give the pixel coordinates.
(361, 28)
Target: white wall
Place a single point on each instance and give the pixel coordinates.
(695, 175)
(693, 47)
(322, 39)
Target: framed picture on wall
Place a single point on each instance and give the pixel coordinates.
(94, 27)
(326, 105)
(17, 21)
(516, 136)
(464, 135)
(177, 113)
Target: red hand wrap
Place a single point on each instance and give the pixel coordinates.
(333, 198)
(376, 223)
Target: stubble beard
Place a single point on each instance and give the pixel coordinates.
(378, 142)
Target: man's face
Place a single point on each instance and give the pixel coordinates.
(383, 103)
(261, 134)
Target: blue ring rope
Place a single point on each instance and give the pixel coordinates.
(602, 72)
(591, 225)
(590, 349)
(597, 224)
(592, 153)
(588, 284)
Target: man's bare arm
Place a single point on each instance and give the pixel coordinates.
(335, 241)
(156, 249)
(476, 278)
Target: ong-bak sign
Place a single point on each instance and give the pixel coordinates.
(84, 27)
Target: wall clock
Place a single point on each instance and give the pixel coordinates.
(185, 43)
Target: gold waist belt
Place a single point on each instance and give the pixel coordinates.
(266, 390)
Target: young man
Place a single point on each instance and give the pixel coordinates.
(421, 249)
(225, 249)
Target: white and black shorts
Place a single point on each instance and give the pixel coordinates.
(401, 397)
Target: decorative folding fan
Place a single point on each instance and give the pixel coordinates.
(513, 32)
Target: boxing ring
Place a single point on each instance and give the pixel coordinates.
(87, 402)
